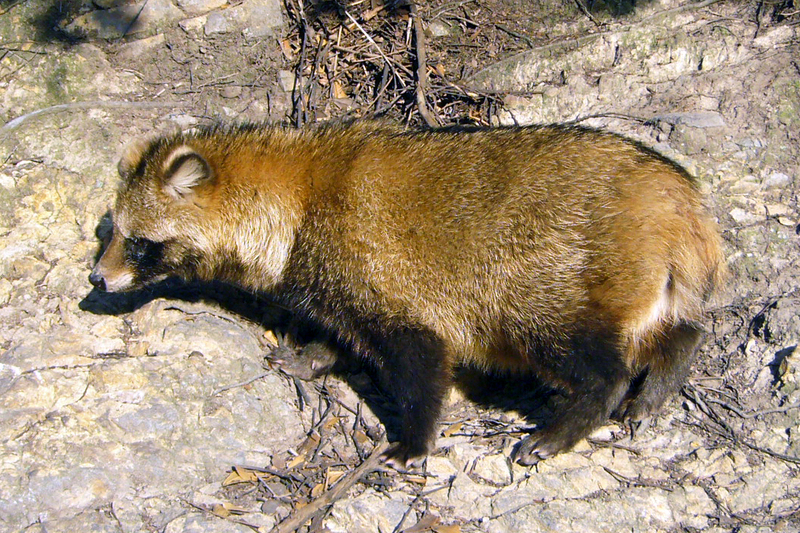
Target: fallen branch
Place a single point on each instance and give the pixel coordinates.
(304, 514)
(11, 125)
(422, 71)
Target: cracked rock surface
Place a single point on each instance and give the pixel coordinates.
(126, 413)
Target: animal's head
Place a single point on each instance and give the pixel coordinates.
(161, 217)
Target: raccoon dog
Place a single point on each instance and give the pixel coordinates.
(573, 254)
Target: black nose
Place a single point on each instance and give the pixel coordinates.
(97, 280)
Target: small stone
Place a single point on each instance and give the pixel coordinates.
(184, 121)
(198, 7)
(700, 119)
(232, 91)
(193, 25)
(217, 23)
(775, 210)
(286, 80)
(263, 19)
(493, 468)
(740, 216)
(369, 511)
(465, 497)
(440, 469)
(777, 180)
(140, 47)
(6, 181)
(772, 38)
(5, 291)
(437, 28)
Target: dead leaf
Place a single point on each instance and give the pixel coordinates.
(318, 489)
(286, 48)
(455, 428)
(224, 510)
(448, 529)
(240, 475)
(298, 460)
(310, 444)
(271, 338)
(220, 511)
(332, 476)
(332, 421)
(360, 437)
(426, 523)
(338, 91)
(234, 509)
(370, 14)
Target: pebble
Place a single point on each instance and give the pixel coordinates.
(777, 180)
(700, 119)
(198, 7)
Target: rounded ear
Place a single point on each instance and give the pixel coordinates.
(131, 157)
(184, 171)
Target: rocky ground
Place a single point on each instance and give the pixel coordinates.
(156, 411)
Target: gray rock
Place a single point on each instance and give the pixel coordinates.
(198, 7)
(264, 18)
(635, 509)
(194, 24)
(218, 23)
(368, 512)
(254, 19)
(700, 119)
(204, 523)
(135, 49)
(777, 180)
(438, 28)
(115, 23)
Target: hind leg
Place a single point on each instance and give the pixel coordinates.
(595, 377)
(669, 366)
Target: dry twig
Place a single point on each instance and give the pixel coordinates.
(304, 514)
(422, 71)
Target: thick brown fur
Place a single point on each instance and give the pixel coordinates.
(570, 253)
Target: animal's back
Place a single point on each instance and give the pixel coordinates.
(516, 232)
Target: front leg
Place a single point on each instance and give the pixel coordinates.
(309, 362)
(414, 368)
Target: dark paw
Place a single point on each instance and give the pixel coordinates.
(637, 410)
(540, 446)
(403, 456)
(531, 450)
(307, 363)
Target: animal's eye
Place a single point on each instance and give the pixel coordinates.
(137, 248)
(140, 251)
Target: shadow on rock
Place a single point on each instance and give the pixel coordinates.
(68, 22)
(506, 392)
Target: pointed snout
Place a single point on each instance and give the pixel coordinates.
(97, 279)
(111, 273)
